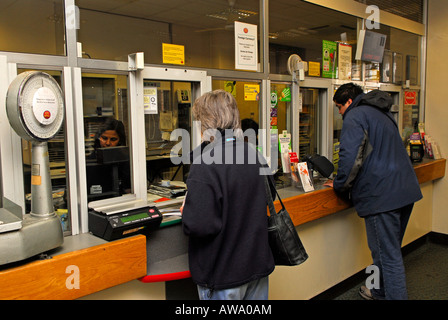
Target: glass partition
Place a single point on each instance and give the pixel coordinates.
(108, 165)
(280, 121)
(247, 95)
(315, 34)
(203, 29)
(411, 109)
(309, 125)
(400, 61)
(171, 110)
(298, 27)
(32, 26)
(168, 137)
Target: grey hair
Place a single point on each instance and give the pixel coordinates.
(217, 110)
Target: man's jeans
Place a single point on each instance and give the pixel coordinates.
(254, 290)
(385, 233)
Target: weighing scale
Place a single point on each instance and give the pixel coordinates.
(35, 109)
(116, 221)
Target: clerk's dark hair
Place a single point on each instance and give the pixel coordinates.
(347, 91)
(111, 124)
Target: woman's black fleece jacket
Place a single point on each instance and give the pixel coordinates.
(225, 216)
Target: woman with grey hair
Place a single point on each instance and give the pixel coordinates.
(224, 213)
(217, 110)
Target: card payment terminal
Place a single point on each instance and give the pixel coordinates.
(119, 222)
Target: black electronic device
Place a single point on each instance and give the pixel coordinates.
(416, 152)
(108, 173)
(111, 155)
(112, 225)
(102, 181)
(320, 164)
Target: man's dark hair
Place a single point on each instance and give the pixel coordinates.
(249, 124)
(347, 91)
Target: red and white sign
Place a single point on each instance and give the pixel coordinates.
(410, 98)
(45, 106)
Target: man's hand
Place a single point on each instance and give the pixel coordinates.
(329, 183)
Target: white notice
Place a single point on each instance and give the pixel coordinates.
(305, 177)
(246, 50)
(150, 100)
(45, 106)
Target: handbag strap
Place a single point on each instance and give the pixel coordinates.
(270, 201)
(267, 184)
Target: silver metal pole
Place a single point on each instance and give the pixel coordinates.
(41, 194)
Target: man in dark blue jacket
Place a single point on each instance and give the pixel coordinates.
(376, 174)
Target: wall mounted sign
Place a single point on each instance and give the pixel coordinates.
(246, 50)
(173, 53)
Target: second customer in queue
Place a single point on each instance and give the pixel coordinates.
(225, 213)
(375, 172)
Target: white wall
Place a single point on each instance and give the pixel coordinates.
(436, 112)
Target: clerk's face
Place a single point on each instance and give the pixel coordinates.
(344, 107)
(109, 138)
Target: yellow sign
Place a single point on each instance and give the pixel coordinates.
(173, 53)
(251, 92)
(314, 69)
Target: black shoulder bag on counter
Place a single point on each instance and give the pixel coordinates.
(284, 241)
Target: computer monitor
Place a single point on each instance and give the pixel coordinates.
(109, 174)
(112, 155)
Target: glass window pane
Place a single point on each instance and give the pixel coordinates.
(411, 109)
(58, 176)
(246, 94)
(401, 60)
(204, 28)
(309, 122)
(32, 26)
(106, 125)
(170, 109)
(309, 125)
(297, 27)
(280, 120)
(409, 9)
(337, 128)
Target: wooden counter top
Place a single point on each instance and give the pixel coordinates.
(75, 274)
(310, 206)
(303, 208)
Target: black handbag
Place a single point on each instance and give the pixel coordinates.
(284, 241)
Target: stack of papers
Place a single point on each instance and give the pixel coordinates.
(170, 212)
(168, 192)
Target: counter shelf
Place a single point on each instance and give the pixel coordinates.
(167, 248)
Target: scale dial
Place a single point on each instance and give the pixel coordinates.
(35, 106)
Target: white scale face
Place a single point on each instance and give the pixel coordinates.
(35, 106)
